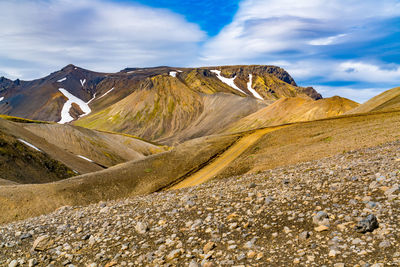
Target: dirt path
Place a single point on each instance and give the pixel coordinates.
(225, 159)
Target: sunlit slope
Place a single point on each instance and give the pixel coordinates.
(127, 179)
(104, 148)
(295, 109)
(388, 100)
(316, 139)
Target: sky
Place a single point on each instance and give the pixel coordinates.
(349, 48)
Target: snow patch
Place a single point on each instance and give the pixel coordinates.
(254, 92)
(2, 98)
(29, 144)
(61, 80)
(85, 158)
(82, 82)
(107, 92)
(228, 81)
(94, 96)
(65, 116)
(172, 73)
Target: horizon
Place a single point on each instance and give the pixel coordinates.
(339, 49)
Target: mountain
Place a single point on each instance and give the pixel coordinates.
(287, 110)
(162, 103)
(187, 103)
(37, 152)
(388, 100)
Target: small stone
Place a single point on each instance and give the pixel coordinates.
(296, 261)
(13, 263)
(32, 262)
(333, 253)
(321, 218)
(321, 228)
(385, 244)
(42, 243)
(304, 235)
(208, 247)
(111, 263)
(251, 254)
(174, 254)
(368, 224)
(141, 227)
(340, 264)
(25, 236)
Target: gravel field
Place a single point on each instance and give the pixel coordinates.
(338, 211)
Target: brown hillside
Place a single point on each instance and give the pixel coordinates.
(20, 163)
(127, 179)
(295, 143)
(287, 110)
(104, 148)
(388, 100)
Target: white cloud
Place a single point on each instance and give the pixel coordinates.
(263, 28)
(97, 34)
(361, 71)
(355, 94)
(328, 40)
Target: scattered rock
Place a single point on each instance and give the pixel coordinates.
(369, 224)
(42, 243)
(141, 227)
(208, 247)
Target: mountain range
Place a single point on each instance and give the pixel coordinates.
(78, 136)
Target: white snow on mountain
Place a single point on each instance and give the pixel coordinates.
(85, 158)
(106, 93)
(1, 98)
(254, 92)
(83, 82)
(65, 116)
(29, 144)
(172, 73)
(228, 81)
(61, 80)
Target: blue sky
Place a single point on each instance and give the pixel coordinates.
(348, 48)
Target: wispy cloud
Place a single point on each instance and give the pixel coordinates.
(103, 35)
(316, 41)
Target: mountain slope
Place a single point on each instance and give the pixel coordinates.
(188, 103)
(106, 149)
(296, 143)
(21, 162)
(287, 110)
(387, 100)
(54, 146)
(161, 103)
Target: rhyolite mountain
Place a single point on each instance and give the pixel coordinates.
(165, 104)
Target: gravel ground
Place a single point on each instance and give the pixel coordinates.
(337, 211)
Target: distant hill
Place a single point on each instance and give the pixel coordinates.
(388, 100)
(295, 109)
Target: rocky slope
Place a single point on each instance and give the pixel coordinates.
(312, 214)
